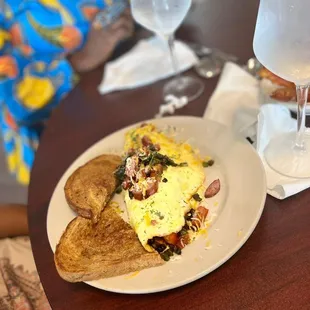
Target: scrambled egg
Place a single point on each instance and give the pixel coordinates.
(163, 213)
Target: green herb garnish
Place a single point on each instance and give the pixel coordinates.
(133, 137)
(120, 172)
(152, 148)
(161, 217)
(208, 163)
(183, 165)
(183, 232)
(130, 195)
(156, 158)
(119, 189)
(166, 255)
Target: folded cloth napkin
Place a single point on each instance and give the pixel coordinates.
(146, 63)
(236, 103)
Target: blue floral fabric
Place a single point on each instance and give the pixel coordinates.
(35, 38)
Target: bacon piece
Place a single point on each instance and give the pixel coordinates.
(157, 147)
(152, 187)
(140, 175)
(132, 166)
(126, 184)
(200, 216)
(159, 240)
(131, 152)
(157, 171)
(137, 192)
(183, 241)
(213, 189)
(137, 195)
(146, 141)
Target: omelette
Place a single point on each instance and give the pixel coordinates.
(162, 180)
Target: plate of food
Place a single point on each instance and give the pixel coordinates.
(276, 89)
(155, 206)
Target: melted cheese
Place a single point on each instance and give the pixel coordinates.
(163, 213)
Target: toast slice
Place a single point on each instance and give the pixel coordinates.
(91, 186)
(110, 248)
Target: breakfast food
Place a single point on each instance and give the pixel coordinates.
(163, 181)
(163, 188)
(91, 186)
(109, 248)
(276, 87)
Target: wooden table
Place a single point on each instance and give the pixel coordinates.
(271, 271)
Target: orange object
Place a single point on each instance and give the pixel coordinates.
(16, 35)
(266, 74)
(70, 37)
(172, 239)
(26, 50)
(284, 94)
(10, 120)
(183, 241)
(286, 91)
(90, 12)
(8, 67)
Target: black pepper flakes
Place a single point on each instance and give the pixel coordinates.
(197, 197)
(130, 195)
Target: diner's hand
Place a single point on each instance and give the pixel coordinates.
(101, 43)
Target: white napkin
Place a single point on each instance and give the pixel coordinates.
(236, 103)
(146, 63)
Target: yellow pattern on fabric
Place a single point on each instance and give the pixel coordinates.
(23, 174)
(54, 4)
(12, 161)
(35, 92)
(16, 164)
(4, 37)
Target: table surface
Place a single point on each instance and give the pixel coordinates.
(271, 271)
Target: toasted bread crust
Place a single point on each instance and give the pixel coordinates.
(81, 211)
(88, 251)
(91, 186)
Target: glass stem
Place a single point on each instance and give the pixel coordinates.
(173, 57)
(302, 98)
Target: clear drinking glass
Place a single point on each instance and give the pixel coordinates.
(282, 44)
(163, 17)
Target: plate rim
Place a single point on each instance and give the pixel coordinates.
(200, 275)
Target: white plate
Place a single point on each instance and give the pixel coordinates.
(238, 206)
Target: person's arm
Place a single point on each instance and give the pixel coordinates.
(13, 220)
(101, 43)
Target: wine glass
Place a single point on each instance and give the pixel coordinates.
(282, 45)
(163, 17)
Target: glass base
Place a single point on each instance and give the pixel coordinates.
(184, 86)
(283, 156)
